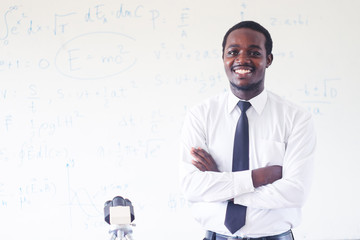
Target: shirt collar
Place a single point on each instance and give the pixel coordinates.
(258, 102)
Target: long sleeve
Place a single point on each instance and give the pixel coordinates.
(291, 191)
(208, 186)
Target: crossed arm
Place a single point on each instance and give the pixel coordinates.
(261, 176)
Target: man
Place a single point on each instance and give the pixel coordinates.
(277, 147)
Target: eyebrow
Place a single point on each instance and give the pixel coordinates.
(251, 46)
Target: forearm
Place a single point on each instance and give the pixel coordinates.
(224, 186)
(292, 189)
(215, 186)
(283, 193)
(289, 191)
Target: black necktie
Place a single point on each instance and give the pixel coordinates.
(236, 214)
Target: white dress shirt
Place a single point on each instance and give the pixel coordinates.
(280, 133)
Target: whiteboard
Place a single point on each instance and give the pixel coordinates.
(93, 95)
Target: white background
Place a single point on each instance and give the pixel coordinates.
(93, 95)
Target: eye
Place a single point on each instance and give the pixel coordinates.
(254, 53)
(232, 52)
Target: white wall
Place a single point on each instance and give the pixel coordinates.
(93, 94)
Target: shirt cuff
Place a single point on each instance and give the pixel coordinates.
(242, 183)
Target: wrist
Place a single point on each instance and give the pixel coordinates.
(257, 178)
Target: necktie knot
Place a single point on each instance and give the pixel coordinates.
(243, 106)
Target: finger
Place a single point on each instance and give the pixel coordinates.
(199, 160)
(199, 165)
(200, 152)
(195, 154)
(195, 150)
(206, 156)
(206, 160)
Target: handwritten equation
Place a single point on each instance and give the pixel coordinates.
(91, 55)
(82, 58)
(317, 95)
(17, 21)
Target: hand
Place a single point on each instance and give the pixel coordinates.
(266, 175)
(203, 160)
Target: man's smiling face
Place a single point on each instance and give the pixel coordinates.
(245, 61)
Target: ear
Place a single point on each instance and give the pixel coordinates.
(269, 60)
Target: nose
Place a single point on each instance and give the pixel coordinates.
(242, 58)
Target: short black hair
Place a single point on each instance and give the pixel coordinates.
(254, 26)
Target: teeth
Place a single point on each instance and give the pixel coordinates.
(242, 71)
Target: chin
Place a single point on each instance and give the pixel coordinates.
(247, 87)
